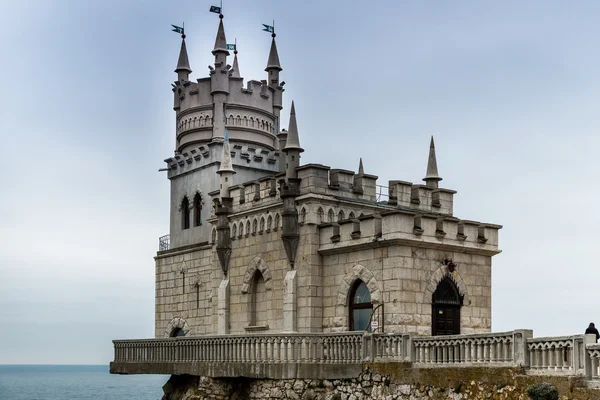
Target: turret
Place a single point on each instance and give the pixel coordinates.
(273, 68)
(235, 73)
(219, 83)
(226, 170)
(432, 178)
(292, 148)
(183, 64)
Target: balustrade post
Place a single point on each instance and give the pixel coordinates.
(590, 368)
(520, 351)
(408, 348)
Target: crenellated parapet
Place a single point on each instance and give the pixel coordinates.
(321, 179)
(412, 229)
(421, 197)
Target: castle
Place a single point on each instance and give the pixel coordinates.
(309, 282)
(260, 243)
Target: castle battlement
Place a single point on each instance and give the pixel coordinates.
(410, 228)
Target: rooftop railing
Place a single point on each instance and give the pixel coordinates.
(164, 243)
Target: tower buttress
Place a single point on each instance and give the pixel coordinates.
(219, 83)
(432, 177)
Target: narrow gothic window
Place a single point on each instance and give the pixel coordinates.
(269, 222)
(351, 216)
(330, 216)
(258, 300)
(185, 213)
(214, 235)
(320, 215)
(341, 215)
(234, 231)
(360, 307)
(254, 227)
(262, 225)
(276, 225)
(247, 228)
(197, 210)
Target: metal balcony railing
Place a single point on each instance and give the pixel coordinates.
(164, 243)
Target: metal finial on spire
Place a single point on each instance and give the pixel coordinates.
(432, 177)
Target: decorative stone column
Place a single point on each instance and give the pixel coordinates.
(223, 308)
(289, 302)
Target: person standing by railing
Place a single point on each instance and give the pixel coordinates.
(592, 330)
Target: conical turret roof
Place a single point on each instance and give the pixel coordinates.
(236, 68)
(220, 41)
(293, 142)
(273, 62)
(432, 170)
(183, 64)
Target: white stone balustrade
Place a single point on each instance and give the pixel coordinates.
(502, 349)
(285, 348)
(563, 355)
(576, 355)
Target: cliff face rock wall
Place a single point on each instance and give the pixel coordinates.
(381, 382)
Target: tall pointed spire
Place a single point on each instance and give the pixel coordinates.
(361, 169)
(273, 62)
(293, 142)
(220, 41)
(236, 68)
(183, 64)
(432, 178)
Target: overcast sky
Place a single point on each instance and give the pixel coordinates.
(509, 89)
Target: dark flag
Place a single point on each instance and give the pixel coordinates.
(268, 28)
(177, 29)
(230, 46)
(215, 9)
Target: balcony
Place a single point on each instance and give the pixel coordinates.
(164, 243)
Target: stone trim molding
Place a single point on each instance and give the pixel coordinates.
(175, 323)
(257, 264)
(435, 279)
(365, 275)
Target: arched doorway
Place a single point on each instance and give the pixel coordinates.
(177, 332)
(360, 306)
(445, 305)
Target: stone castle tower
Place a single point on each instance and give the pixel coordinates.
(259, 242)
(205, 110)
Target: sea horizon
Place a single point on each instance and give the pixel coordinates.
(76, 382)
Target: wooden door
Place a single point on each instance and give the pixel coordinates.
(445, 309)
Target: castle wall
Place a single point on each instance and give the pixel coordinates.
(402, 274)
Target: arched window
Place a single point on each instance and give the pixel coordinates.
(245, 121)
(445, 308)
(341, 215)
(351, 215)
(197, 210)
(233, 231)
(261, 227)
(330, 216)
(185, 213)
(254, 226)
(303, 215)
(360, 307)
(214, 235)
(241, 230)
(276, 223)
(177, 332)
(269, 223)
(238, 120)
(320, 215)
(258, 301)
(247, 228)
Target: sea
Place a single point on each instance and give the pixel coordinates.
(76, 382)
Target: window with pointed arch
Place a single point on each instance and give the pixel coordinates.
(276, 223)
(330, 215)
(185, 213)
(341, 215)
(197, 210)
(320, 215)
(233, 231)
(269, 223)
(261, 227)
(360, 307)
(351, 216)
